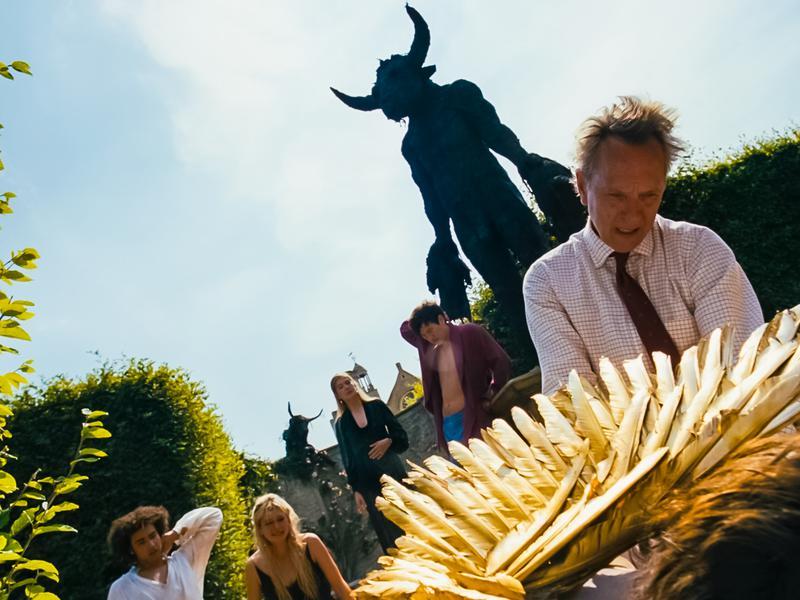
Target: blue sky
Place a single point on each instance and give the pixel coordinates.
(200, 198)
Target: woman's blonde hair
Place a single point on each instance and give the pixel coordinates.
(295, 545)
(340, 405)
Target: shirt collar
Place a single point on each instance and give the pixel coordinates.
(600, 251)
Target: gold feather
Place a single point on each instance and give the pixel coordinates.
(480, 529)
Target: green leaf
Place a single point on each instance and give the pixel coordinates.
(15, 276)
(6, 74)
(37, 565)
(58, 508)
(22, 67)
(5, 411)
(91, 415)
(5, 517)
(12, 545)
(45, 596)
(24, 519)
(34, 496)
(84, 459)
(8, 195)
(67, 487)
(6, 556)
(33, 589)
(7, 483)
(95, 432)
(53, 528)
(11, 329)
(92, 452)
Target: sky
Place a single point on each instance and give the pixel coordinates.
(201, 199)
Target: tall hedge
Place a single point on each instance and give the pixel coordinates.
(752, 200)
(168, 447)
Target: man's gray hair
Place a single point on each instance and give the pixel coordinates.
(634, 121)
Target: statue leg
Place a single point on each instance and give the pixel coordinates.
(520, 230)
(488, 254)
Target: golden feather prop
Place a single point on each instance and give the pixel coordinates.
(534, 509)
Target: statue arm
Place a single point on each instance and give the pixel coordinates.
(482, 116)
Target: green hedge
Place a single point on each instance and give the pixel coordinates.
(168, 447)
(752, 200)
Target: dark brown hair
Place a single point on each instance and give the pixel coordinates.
(734, 534)
(119, 536)
(427, 312)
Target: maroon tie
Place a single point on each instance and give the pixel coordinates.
(654, 335)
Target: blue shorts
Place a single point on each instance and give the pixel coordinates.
(453, 426)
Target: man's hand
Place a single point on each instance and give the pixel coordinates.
(379, 448)
(361, 504)
(168, 541)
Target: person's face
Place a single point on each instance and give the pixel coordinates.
(624, 191)
(146, 546)
(435, 333)
(345, 388)
(274, 526)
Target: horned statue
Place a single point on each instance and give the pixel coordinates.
(452, 131)
(296, 436)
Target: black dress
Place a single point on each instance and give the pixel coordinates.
(323, 587)
(363, 473)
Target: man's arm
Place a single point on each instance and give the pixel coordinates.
(480, 113)
(496, 358)
(197, 531)
(558, 344)
(412, 337)
(721, 291)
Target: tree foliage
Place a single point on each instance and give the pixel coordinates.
(36, 510)
(169, 448)
(752, 200)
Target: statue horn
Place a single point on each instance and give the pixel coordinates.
(318, 414)
(365, 103)
(422, 38)
(290, 410)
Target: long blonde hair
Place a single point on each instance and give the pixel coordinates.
(296, 546)
(340, 405)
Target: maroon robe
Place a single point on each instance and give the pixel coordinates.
(483, 368)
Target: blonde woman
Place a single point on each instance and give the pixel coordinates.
(370, 440)
(288, 564)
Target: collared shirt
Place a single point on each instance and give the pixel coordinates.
(575, 315)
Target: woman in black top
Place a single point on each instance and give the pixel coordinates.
(371, 440)
(288, 564)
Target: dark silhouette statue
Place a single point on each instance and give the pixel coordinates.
(452, 131)
(296, 436)
(301, 459)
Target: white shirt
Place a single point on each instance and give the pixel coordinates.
(575, 315)
(186, 566)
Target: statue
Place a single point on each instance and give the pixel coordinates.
(452, 131)
(296, 437)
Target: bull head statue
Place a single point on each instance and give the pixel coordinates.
(401, 79)
(296, 436)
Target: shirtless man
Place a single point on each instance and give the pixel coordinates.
(462, 368)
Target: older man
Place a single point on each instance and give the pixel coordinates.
(631, 282)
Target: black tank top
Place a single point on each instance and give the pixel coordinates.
(323, 587)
